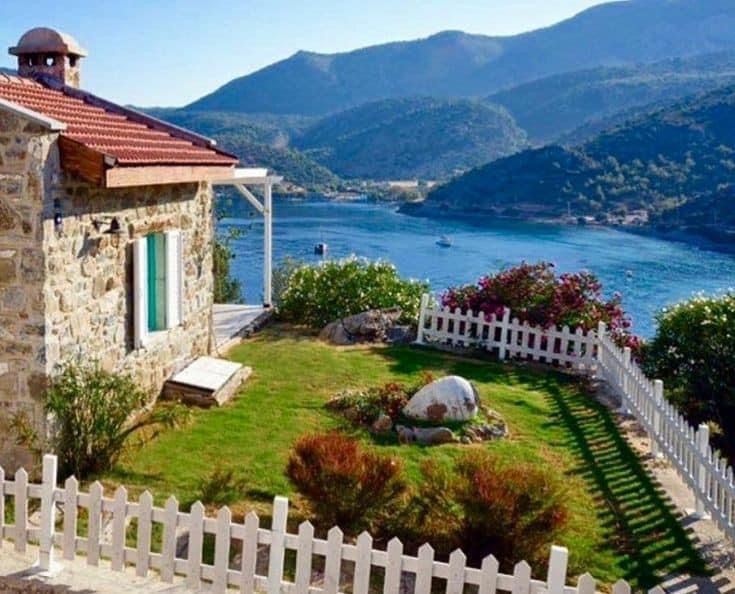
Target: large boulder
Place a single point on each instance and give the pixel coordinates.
(451, 398)
(375, 325)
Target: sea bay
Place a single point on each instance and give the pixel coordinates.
(650, 273)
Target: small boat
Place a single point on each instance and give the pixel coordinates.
(320, 249)
(444, 241)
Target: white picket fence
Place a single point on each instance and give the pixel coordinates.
(337, 561)
(508, 338)
(688, 450)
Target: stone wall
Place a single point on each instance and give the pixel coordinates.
(89, 277)
(27, 161)
(66, 292)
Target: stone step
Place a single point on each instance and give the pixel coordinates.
(206, 381)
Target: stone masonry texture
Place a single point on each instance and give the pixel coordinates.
(66, 292)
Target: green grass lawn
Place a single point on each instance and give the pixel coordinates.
(621, 525)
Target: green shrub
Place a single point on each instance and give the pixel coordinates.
(319, 294)
(363, 407)
(221, 487)
(432, 514)
(227, 289)
(91, 414)
(693, 352)
(345, 485)
(281, 277)
(486, 505)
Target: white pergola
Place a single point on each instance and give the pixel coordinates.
(241, 180)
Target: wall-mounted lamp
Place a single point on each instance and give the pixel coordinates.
(58, 219)
(114, 230)
(113, 226)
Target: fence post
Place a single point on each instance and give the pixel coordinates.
(48, 512)
(600, 371)
(556, 579)
(278, 544)
(624, 384)
(658, 396)
(422, 318)
(504, 322)
(702, 438)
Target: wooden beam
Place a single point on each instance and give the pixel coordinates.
(125, 177)
(81, 161)
(250, 198)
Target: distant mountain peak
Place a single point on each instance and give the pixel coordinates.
(455, 63)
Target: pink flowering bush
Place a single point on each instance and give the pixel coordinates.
(536, 294)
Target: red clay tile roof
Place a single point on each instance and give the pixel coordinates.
(129, 138)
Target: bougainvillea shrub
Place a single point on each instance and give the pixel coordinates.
(536, 294)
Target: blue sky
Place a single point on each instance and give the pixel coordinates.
(164, 52)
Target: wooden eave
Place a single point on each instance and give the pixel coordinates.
(101, 170)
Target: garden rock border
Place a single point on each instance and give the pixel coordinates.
(375, 325)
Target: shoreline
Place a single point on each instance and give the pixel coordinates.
(684, 236)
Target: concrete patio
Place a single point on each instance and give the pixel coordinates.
(77, 577)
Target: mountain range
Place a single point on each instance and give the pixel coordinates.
(551, 107)
(423, 138)
(457, 64)
(621, 113)
(672, 168)
(435, 138)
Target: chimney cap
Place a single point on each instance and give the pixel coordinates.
(43, 40)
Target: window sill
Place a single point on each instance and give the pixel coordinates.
(154, 339)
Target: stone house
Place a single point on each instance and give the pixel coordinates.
(106, 232)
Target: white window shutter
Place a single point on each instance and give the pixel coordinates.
(140, 291)
(174, 279)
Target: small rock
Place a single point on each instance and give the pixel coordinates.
(465, 440)
(400, 335)
(405, 434)
(335, 333)
(351, 414)
(425, 435)
(434, 435)
(383, 424)
(473, 434)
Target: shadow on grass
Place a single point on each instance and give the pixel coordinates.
(641, 517)
(634, 511)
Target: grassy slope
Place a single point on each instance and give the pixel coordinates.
(621, 526)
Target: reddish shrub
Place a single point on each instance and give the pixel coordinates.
(514, 511)
(536, 294)
(345, 484)
(486, 506)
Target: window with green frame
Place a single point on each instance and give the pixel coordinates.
(158, 284)
(156, 244)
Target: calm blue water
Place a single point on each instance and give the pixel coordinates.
(662, 272)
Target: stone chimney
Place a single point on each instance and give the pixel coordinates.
(51, 53)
